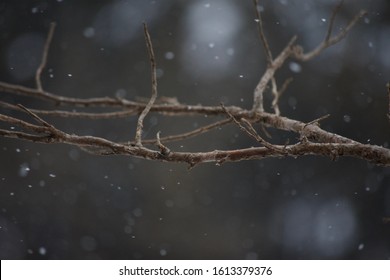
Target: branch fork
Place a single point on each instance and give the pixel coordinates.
(313, 139)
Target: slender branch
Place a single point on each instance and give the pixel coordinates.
(63, 100)
(187, 135)
(329, 41)
(316, 121)
(371, 153)
(24, 136)
(146, 110)
(22, 124)
(263, 38)
(332, 19)
(106, 102)
(163, 149)
(269, 74)
(277, 93)
(388, 93)
(249, 129)
(36, 117)
(46, 48)
(314, 140)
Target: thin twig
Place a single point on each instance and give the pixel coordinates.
(248, 129)
(263, 38)
(260, 139)
(298, 51)
(269, 74)
(388, 93)
(332, 19)
(36, 117)
(275, 93)
(187, 135)
(163, 149)
(22, 124)
(74, 114)
(278, 93)
(46, 48)
(317, 121)
(138, 133)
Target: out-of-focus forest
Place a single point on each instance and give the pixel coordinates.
(58, 202)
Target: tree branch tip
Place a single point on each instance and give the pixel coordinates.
(164, 150)
(53, 25)
(145, 26)
(145, 111)
(316, 121)
(363, 13)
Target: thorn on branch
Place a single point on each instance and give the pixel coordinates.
(149, 46)
(46, 48)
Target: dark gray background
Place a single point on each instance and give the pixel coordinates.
(58, 202)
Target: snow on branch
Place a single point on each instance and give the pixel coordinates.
(312, 140)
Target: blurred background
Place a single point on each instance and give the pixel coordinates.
(57, 202)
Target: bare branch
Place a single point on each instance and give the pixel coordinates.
(329, 41)
(371, 153)
(269, 74)
(316, 121)
(35, 116)
(263, 38)
(250, 133)
(187, 135)
(388, 93)
(277, 93)
(22, 124)
(46, 48)
(248, 129)
(163, 149)
(332, 19)
(138, 134)
(24, 136)
(315, 141)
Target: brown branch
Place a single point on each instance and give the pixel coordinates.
(310, 131)
(249, 129)
(106, 102)
(146, 110)
(46, 48)
(329, 41)
(22, 124)
(316, 121)
(263, 38)
(388, 93)
(163, 149)
(315, 141)
(24, 136)
(332, 19)
(371, 153)
(277, 93)
(63, 100)
(187, 135)
(36, 117)
(269, 74)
